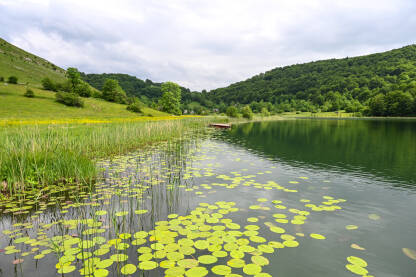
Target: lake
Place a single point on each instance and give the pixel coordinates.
(283, 198)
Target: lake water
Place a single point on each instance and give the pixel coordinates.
(285, 198)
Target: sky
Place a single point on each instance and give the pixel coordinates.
(203, 44)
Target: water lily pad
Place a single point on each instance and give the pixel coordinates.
(237, 263)
(251, 269)
(351, 227)
(147, 265)
(128, 269)
(188, 263)
(317, 236)
(197, 272)
(66, 269)
(356, 269)
(357, 261)
(207, 259)
(357, 247)
(259, 260)
(221, 270)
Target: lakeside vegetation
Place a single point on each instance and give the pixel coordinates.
(42, 154)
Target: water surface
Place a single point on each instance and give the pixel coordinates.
(265, 190)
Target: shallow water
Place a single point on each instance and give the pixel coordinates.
(352, 182)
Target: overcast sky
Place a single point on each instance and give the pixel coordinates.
(203, 44)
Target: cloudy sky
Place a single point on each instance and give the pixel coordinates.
(203, 44)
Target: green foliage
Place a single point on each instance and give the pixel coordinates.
(247, 112)
(29, 93)
(265, 112)
(12, 80)
(45, 106)
(74, 77)
(48, 84)
(350, 84)
(113, 92)
(135, 106)
(83, 90)
(171, 99)
(232, 111)
(69, 99)
(1, 79)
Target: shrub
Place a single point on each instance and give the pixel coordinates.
(1, 79)
(265, 112)
(135, 107)
(69, 99)
(232, 111)
(83, 89)
(12, 80)
(247, 112)
(48, 84)
(29, 93)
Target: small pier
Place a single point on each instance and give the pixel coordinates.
(220, 125)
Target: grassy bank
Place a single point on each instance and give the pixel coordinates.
(37, 155)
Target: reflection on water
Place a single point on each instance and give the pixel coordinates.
(386, 149)
(259, 200)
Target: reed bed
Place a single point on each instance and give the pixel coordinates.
(35, 155)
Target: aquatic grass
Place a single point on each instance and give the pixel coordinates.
(43, 154)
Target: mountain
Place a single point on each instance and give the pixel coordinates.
(373, 82)
(28, 68)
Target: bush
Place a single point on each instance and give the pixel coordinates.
(29, 93)
(12, 80)
(69, 99)
(247, 112)
(83, 89)
(1, 79)
(232, 111)
(265, 112)
(135, 107)
(48, 84)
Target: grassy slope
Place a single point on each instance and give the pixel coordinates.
(27, 67)
(14, 106)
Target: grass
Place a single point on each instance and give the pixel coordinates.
(37, 155)
(340, 114)
(27, 67)
(16, 107)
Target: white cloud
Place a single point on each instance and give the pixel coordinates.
(203, 44)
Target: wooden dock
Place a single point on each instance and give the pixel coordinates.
(220, 125)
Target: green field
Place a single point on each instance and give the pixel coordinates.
(27, 67)
(14, 106)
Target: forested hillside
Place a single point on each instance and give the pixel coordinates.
(380, 84)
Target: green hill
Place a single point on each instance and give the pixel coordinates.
(379, 84)
(27, 67)
(14, 106)
(146, 90)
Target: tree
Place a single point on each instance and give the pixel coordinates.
(398, 103)
(232, 111)
(83, 89)
(247, 112)
(113, 92)
(74, 77)
(377, 105)
(12, 80)
(171, 98)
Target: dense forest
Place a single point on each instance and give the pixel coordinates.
(382, 84)
(146, 90)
